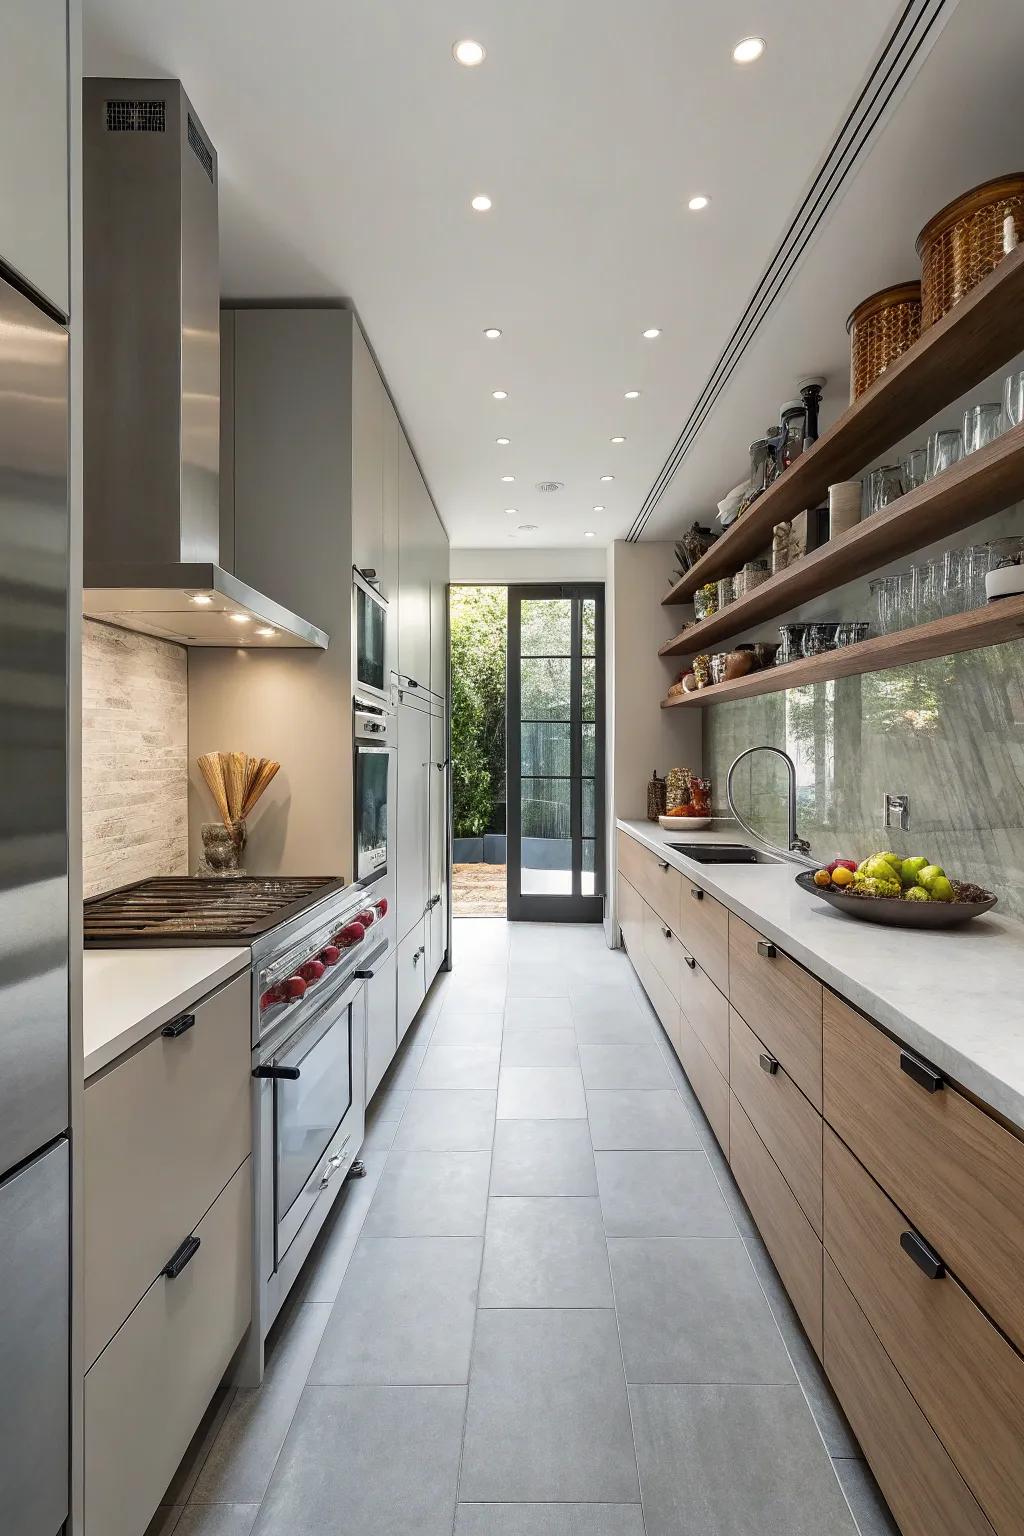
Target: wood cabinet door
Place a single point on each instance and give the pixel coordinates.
(780, 1001)
(786, 1122)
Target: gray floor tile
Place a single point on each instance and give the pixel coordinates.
(321, 1276)
(379, 1135)
(539, 1011)
(549, 1520)
(618, 998)
(404, 1314)
(388, 1104)
(179, 1491)
(545, 1253)
(661, 1194)
(612, 1026)
(165, 1520)
(870, 1511)
(525, 1046)
(734, 1460)
(475, 995)
(467, 1029)
(368, 1461)
(614, 1064)
(531, 978)
(405, 1068)
(217, 1520)
(548, 1418)
(459, 1066)
(541, 1093)
(238, 1468)
(690, 1310)
(543, 1157)
(454, 1120)
(634, 1120)
(431, 1194)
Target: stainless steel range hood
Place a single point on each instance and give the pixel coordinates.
(151, 458)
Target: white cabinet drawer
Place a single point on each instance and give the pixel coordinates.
(145, 1395)
(412, 964)
(164, 1130)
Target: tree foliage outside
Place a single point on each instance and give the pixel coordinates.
(479, 620)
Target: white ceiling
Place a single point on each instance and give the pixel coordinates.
(350, 145)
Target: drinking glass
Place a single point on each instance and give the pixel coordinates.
(852, 632)
(886, 485)
(819, 638)
(904, 598)
(982, 424)
(929, 590)
(882, 592)
(1013, 399)
(952, 596)
(945, 448)
(915, 468)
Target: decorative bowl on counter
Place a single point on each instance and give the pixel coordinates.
(895, 912)
(695, 823)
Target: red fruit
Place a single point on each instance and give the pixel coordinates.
(841, 864)
(382, 906)
(330, 954)
(271, 998)
(352, 933)
(366, 918)
(312, 970)
(293, 988)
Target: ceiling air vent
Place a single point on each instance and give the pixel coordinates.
(550, 485)
(136, 116)
(199, 147)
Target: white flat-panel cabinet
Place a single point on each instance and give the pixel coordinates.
(34, 144)
(415, 515)
(391, 432)
(381, 1021)
(412, 984)
(368, 400)
(439, 565)
(437, 853)
(413, 815)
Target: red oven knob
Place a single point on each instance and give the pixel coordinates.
(330, 954)
(352, 933)
(271, 998)
(293, 989)
(382, 906)
(312, 970)
(366, 918)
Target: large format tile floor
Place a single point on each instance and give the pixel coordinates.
(545, 1312)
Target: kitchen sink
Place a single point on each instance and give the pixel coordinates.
(723, 853)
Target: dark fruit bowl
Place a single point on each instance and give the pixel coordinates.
(896, 913)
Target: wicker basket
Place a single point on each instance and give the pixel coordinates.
(881, 328)
(964, 242)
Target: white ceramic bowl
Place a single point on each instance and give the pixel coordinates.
(677, 823)
(1006, 581)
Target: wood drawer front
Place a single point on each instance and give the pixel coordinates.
(663, 950)
(788, 1235)
(658, 883)
(966, 1378)
(788, 1125)
(956, 1173)
(145, 1395)
(706, 1009)
(780, 1001)
(661, 999)
(630, 916)
(924, 1490)
(711, 1088)
(704, 930)
(164, 1131)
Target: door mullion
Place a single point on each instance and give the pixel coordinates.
(576, 743)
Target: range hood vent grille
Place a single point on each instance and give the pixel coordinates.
(199, 147)
(138, 117)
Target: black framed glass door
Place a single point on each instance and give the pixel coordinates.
(556, 853)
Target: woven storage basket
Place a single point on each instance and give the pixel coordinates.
(964, 242)
(881, 328)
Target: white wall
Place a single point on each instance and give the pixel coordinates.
(519, 565)
(641, 736)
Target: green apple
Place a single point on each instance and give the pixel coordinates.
(893, 859)
(916, 893)
(880, 867)
(910, 869)
(940, 889)
(930, 873)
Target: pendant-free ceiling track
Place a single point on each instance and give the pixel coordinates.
(914, 30)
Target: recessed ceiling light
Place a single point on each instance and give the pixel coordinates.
(695, 204)
(527, 527)
(265, 629)
(590, 534)
(508, 479)
(203, 598)
(748, 49)
(492, 332)
(632, 394)
(502, 442)
(599, 509)
(482, 202)
(652, 333)
(511, 511)
(618, 439)
(499, 394)
(607, 477)
(469, 52)
(239, 618)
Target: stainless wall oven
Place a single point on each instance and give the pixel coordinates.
(374, 784)
(370, 643)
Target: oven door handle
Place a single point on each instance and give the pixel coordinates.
(290, 1074)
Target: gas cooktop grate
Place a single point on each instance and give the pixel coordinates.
(195, 910)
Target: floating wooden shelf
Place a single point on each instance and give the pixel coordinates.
(983, 483)
(978, 335)
(992, 625)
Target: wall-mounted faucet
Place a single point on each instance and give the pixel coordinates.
(797, 844)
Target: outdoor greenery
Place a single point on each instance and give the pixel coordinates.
(479, 620)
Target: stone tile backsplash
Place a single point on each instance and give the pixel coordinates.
(134, 757)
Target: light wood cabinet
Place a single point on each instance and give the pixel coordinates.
(786, 1122)
(707, 1082)
(706, 1010)
(780, 1001)
(664, 952)
(631, 918)
(655, 879)
(34, 145)
(703, 927)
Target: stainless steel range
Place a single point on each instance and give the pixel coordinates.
(314, 944)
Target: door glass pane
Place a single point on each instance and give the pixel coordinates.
(545, 689)
(588, 808)
(545, 749)
(589, 749)
(588, 885)
(590, 690)
(589, 627)
(545, 627)
(546, 838)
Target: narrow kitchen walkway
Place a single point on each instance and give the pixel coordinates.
(545, 1312)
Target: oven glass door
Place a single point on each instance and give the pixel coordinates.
(308, 1113)
(371, 621)
(371, 801)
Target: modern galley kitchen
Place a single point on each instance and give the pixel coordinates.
(372, 380)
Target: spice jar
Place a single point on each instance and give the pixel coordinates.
(705, 600)
(702, 670)
(780, 547)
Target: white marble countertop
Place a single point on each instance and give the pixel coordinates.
(127, 994)
(956, 996)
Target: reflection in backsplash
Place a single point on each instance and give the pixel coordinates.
(949, 733)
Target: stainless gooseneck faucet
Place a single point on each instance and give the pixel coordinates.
(797, 844)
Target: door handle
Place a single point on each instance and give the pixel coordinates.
(768, 1063)
(178, 1026)
(766, 949)
(435, 901)
(667, 932)
(664, 867)
(696, 893)
(920, 1072)
(411, 682)
(286, 1074)
(691, 962)
(181, 1257)
(923, 1255)
(362, 975)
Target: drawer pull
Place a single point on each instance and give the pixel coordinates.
(920, 1072)
(664, 867)
(181, 1257)
(768, 1063)
(766, 949)
(691, 962)
(667, 932)
(362, 975)
(285, 1074)
(696, 893)
(923, 1255)
(178, 1026)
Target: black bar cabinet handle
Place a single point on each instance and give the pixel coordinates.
(691, 962)
(288, 1074)
(181, 1257)
(663, 867)
(362, 975)
(766, 949)
(921, 1073)
(768, 1063)
(696, 893)
(923, 1255)
(178, 1026)
(666, 931)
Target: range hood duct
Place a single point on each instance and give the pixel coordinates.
(151, 462)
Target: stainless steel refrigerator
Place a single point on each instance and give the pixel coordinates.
(34, 1151)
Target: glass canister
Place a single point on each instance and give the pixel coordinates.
(657, 791)
(726, 592)
(794, 429)
(702, 670)
(705, 600)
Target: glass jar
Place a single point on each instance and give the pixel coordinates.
(726, 592)
(851, 632)
(753, 573)
(886, 486)
(792, 637)
(1013, 399)
(705, 600)
(945, 449)
(794, 429)
(818, 638)
(702, 670)
(781, 546)
(982, 424)
(915, 468)
(718, 665)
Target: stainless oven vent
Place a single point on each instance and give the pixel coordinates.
(136, 117)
